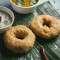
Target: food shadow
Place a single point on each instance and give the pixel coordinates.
(43, 41)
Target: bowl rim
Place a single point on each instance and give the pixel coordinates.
(10, 15)
(26, 7)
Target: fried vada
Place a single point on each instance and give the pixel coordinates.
(45, 26)
(19, 39)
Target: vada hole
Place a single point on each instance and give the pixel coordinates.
(21, 38)
(21, 35)
(46, 24)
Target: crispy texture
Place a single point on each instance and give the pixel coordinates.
(39, 26)
(19, 45)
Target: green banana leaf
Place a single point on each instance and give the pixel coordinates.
(52, 46)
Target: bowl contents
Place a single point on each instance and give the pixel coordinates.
(19, 39)
(45, 26)
(5, 19)
(25, 3)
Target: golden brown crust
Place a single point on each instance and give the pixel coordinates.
(47, 32)
(17, 45)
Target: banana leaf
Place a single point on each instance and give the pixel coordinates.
(52, 46)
